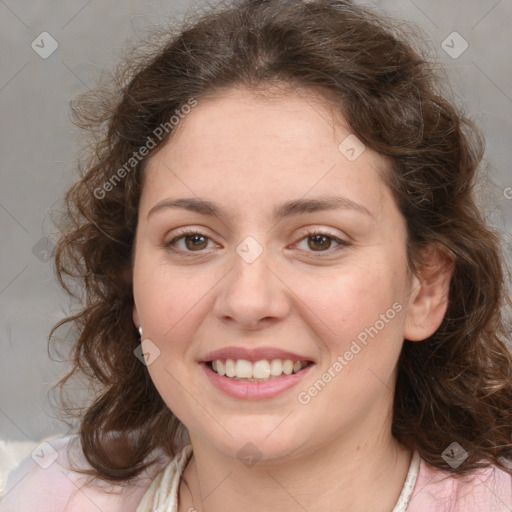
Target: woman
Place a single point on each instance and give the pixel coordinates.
(290, 294)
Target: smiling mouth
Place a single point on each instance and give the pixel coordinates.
(264, 370)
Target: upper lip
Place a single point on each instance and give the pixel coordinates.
(252, 354)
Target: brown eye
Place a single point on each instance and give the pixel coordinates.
(193, 242)
(319, 242)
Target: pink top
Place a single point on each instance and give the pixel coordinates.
(43, 483)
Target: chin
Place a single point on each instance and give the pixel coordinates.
(257, 440)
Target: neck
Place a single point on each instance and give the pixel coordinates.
(340, 472)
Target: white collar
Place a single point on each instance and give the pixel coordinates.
(162, 495)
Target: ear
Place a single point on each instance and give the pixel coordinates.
(429, 295)
(135, 316)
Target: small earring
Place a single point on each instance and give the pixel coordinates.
(140, 331)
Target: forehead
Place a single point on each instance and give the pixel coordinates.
(278, 117)
(254, 147)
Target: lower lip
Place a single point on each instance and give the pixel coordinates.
(254, 390)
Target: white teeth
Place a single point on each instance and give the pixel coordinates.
(276, 367)
(221, 367)
(243, 369)
(263, 369)
(260, 370)
(230, 368)
(287, 367)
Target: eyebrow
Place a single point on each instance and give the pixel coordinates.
(287, 209)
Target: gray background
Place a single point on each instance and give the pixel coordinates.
(39, 143)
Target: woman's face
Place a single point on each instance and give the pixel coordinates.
(256, 285)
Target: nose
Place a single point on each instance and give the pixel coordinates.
(252, 295)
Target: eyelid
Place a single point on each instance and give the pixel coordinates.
(183, 232)
(309, 231)
(320, 231)
(315, 230)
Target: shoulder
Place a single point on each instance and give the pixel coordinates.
(45, 481)
(484, 490)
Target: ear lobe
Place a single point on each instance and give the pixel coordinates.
(429, 296)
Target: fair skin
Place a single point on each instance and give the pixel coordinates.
(248, 154)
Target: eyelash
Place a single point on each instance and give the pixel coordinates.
(308, 234)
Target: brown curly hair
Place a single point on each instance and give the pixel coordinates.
(454, 386)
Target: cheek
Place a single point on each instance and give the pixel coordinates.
(171, 305)
(351, 299)
(362, 313)
(167, 298)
